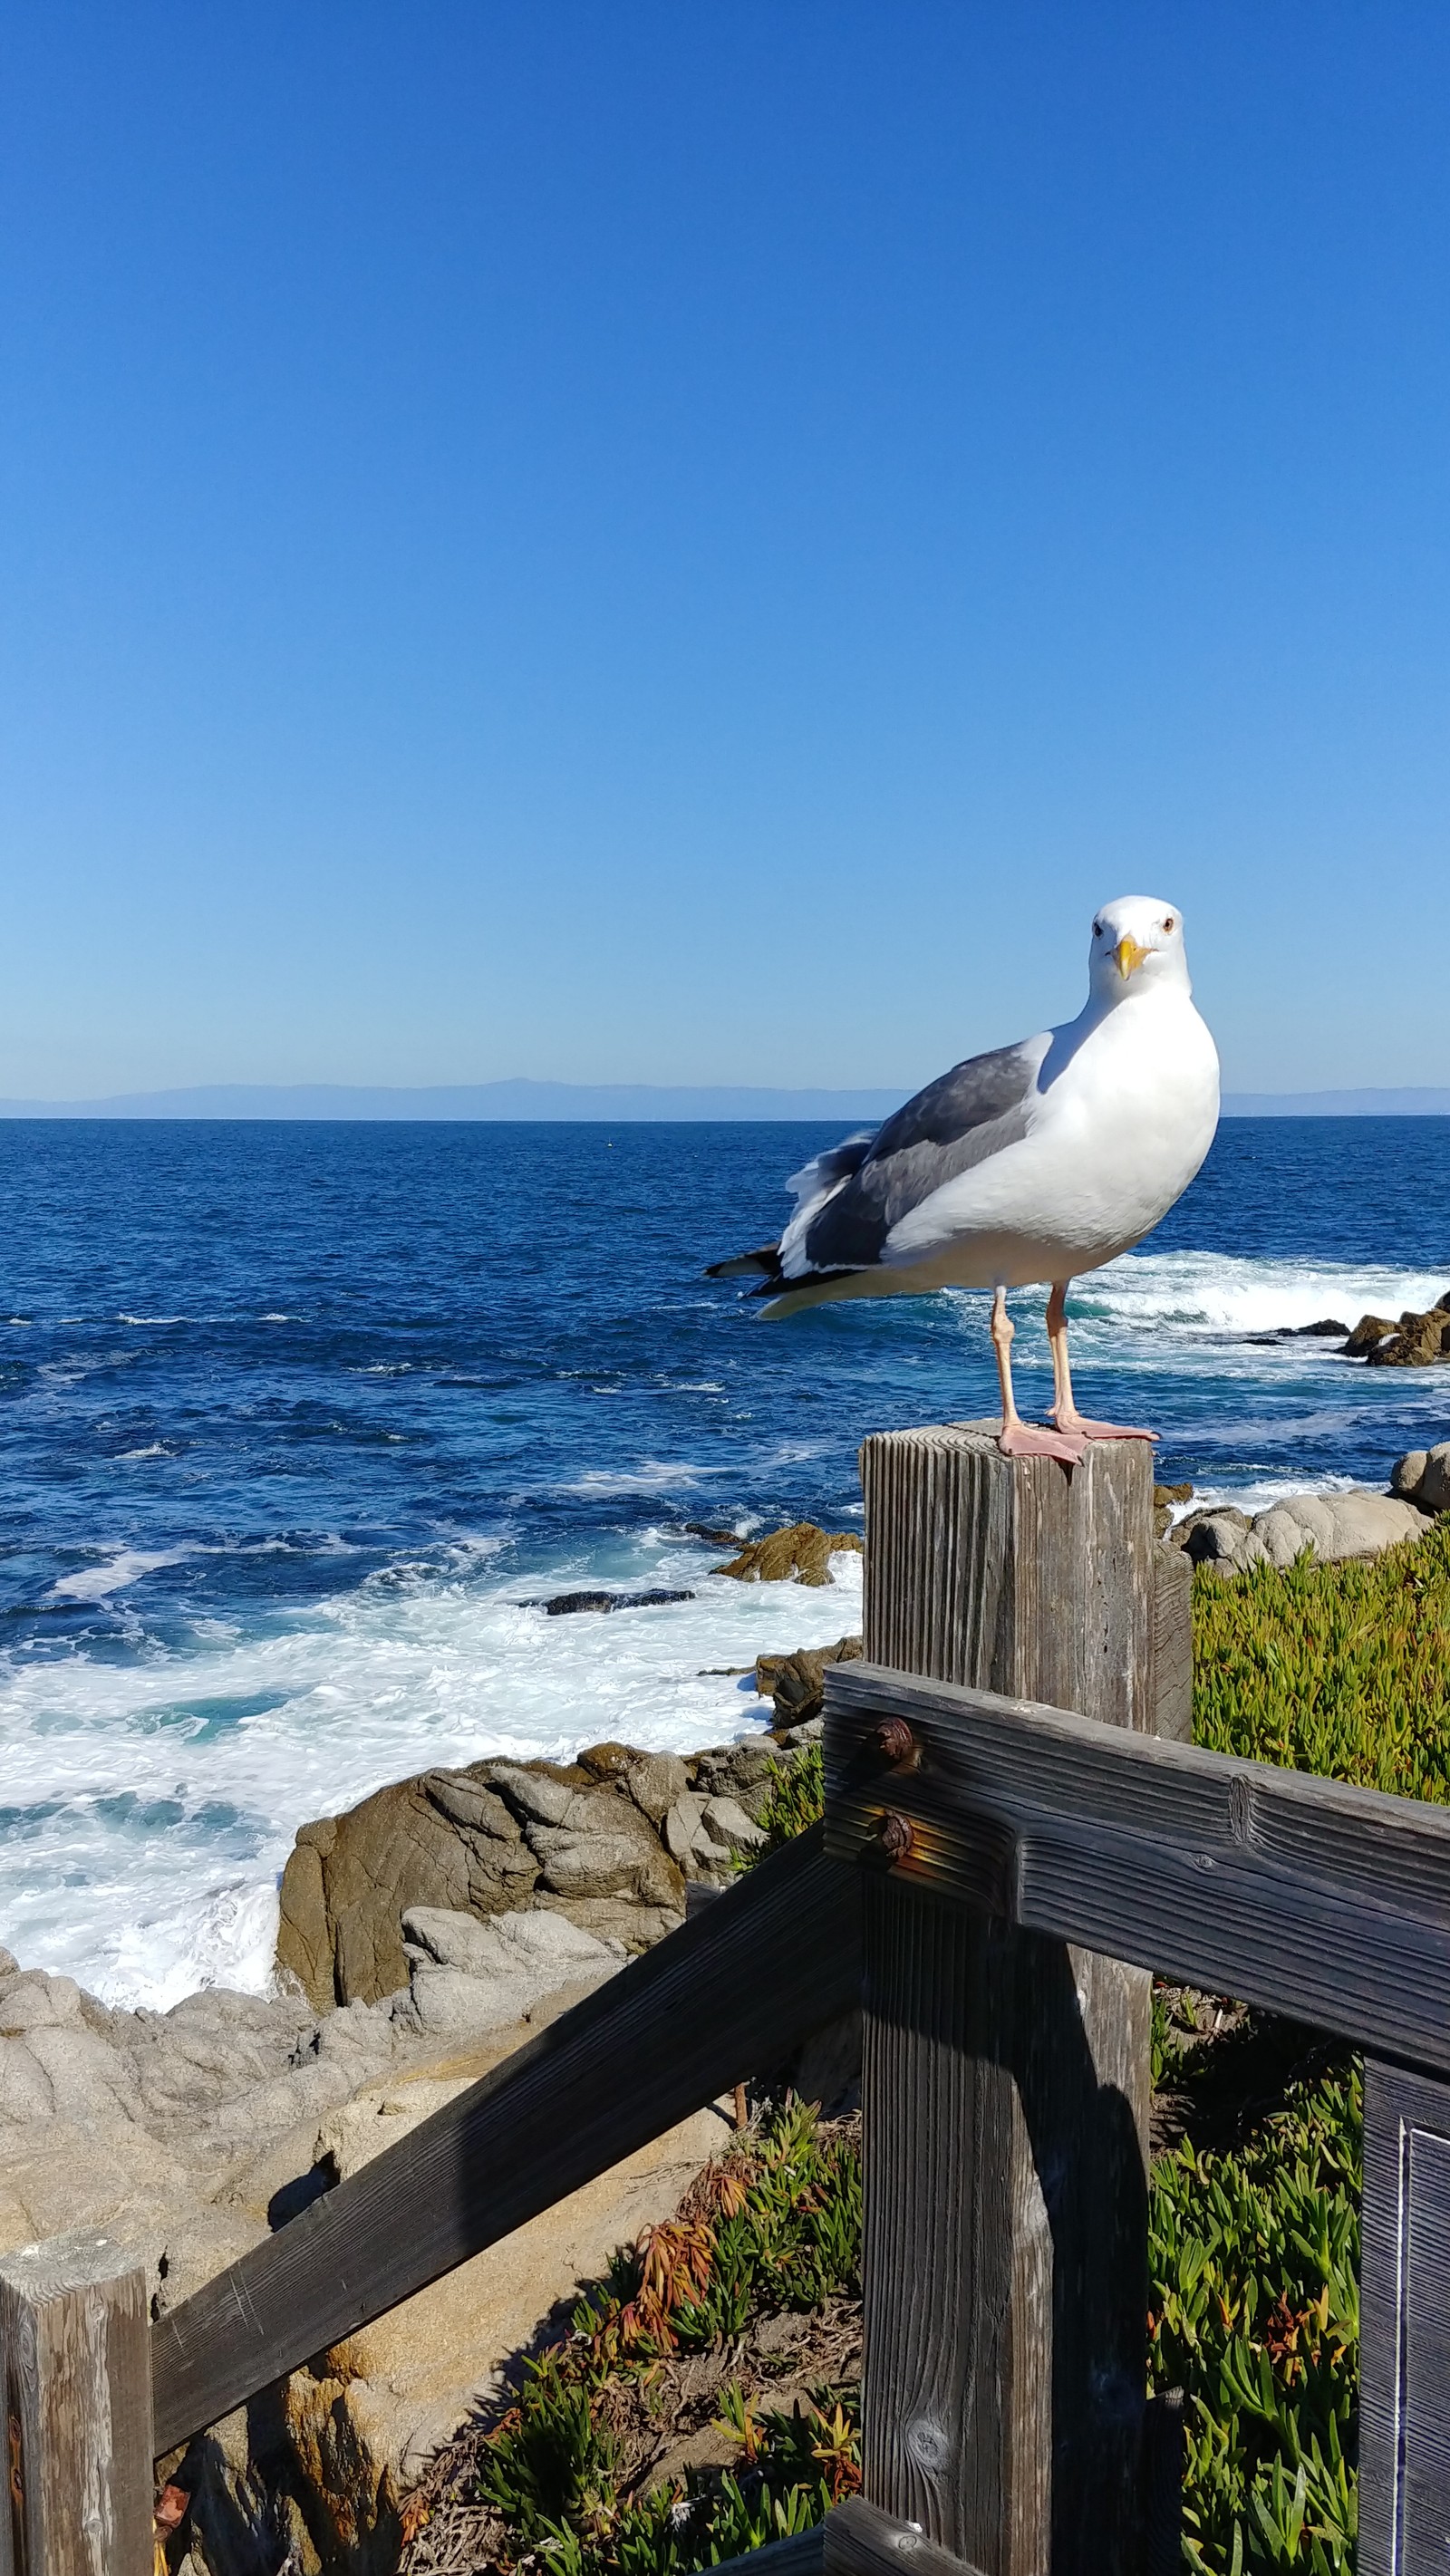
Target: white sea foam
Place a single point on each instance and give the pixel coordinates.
(120, 1567)
(151, 1805)
(1215, 1292)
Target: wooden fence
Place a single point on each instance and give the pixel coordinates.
(1009, 1849)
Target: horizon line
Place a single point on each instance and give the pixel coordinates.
(523, 1100)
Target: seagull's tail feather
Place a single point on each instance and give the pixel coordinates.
(812, 1185)
(816, 1179)
(745, 1264)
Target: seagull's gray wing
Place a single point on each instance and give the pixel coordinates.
(957, 1121)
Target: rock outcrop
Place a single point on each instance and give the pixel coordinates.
(1422, 1477)
(1416, 1341)
(1332, 1527)
(800, 1554)
(796, 1684)
(608, 1842)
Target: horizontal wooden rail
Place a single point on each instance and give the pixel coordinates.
(800, 2555)
(729, 1994)
(859, 2540)
(1290, 1892)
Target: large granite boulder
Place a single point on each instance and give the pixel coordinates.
(1331, 1527)
(609, 1842)
(1422, 1477)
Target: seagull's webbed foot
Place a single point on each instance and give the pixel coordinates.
(1034, 1440)
(1080, 1427)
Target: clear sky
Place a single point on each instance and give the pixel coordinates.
(696, 542)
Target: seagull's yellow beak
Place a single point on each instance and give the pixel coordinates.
(1129, 954)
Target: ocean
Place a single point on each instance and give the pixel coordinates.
(299, 1420)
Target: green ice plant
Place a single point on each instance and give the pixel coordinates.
(1343, 1670)
(1254, 2261)
(783, 2230)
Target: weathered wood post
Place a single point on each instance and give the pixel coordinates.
(1006, 2077)
(76, 2363)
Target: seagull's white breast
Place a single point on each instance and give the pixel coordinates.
(1116, 1136)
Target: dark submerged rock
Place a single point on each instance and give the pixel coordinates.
(561, 1605)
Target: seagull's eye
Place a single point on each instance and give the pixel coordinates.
(1168, 924)
(1097, 930)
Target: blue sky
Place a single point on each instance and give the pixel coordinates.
(697, 542)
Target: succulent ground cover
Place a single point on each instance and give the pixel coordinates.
(707, 2398)
(1339, 1669)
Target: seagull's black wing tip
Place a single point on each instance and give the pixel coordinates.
(745, 1264)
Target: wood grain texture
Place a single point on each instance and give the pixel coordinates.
(1006, 2078)
(1404, 2475)
(860, 2540)
(1290, 1892)
(76, 2368)
(729, 1994)
(1172, 1645)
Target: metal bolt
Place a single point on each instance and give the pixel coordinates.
(894, 1739)
(896, 1836)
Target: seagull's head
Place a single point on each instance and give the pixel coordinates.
(1137, 946)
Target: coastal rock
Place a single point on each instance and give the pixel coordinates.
(1367, 1336)
(1422, 1477)
(796, 1683)
(655, 1781)
(1332, 1527)
(1418, 1341)
(589, 1840)
(1209, 1535)
(727, 1823)
(560, 1605)
(1166, 1498)
(800, 1554)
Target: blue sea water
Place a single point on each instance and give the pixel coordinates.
(298, 1418)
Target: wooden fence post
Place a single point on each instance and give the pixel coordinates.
(1006, 2077)
(76, 2363)
(1404, 2302)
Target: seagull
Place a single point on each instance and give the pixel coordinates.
(1031, 1163)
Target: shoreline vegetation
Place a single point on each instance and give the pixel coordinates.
(706, 2398)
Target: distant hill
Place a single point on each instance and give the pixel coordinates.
(1418, 1103)
(621, 1102)
(616, 1103)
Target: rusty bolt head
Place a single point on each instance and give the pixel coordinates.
(896, 1836)
(894, 1738)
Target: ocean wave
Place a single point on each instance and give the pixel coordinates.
(146, 1776)
(1197, 1293)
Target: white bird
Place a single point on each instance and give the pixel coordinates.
(1033, 1162)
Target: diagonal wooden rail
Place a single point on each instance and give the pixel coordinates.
(730, 1994)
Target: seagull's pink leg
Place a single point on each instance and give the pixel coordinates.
(1019, 1439)
(1064, 1412)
